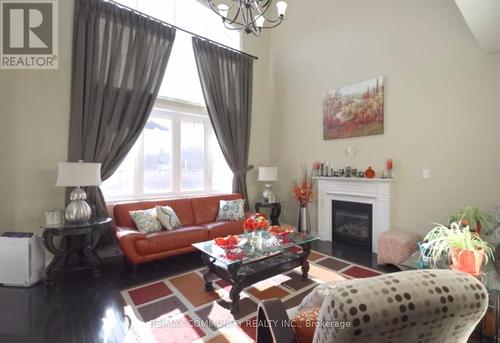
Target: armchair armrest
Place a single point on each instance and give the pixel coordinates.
(271, 318)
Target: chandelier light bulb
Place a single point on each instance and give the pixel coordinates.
(223, 10)
(259, 21)
(281, 6)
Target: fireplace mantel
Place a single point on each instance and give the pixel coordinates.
(376, 192)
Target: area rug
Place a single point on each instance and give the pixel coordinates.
(178, 309)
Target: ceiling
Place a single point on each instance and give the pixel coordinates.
(483, 19)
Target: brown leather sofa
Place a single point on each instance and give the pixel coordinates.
(197, 216)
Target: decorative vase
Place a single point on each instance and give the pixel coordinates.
(369, 173)
(255, 239)
(304, 223)
(468, 261)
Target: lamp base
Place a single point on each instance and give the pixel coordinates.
(268, 194)
(78, 210)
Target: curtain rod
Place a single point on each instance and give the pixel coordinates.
(181, 29)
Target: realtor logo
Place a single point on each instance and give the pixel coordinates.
(29, 34)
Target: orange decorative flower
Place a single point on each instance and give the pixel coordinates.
(257, 222)
(303, 191)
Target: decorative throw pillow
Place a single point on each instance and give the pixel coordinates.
(317, 296)
(167, 217)
(231, 210)
(146, 220)
(304, 324)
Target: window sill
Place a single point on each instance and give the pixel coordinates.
(156, 197)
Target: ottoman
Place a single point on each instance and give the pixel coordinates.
(395, 246)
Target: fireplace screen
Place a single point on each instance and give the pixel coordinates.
(352, 222)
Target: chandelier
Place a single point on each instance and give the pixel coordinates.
(249, 16)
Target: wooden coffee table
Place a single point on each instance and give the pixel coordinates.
(245, 265)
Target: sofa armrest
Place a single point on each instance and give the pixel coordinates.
(271, 319)
(126, 238)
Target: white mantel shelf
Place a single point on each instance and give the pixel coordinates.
(375, 191)
(354, 179)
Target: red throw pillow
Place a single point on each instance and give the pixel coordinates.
(304, 324)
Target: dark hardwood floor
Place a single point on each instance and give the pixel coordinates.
(86, 310)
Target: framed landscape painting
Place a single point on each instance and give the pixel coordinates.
(354, 110)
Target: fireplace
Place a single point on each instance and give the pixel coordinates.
(352, 222)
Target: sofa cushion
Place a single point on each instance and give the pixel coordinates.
(146, 220)
(222, 229)
(231, 210)
(182, 208)
(205, 209)
(169, 240)
(167, 217)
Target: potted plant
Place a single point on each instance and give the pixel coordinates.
(474, 218)
(303, 193)
(466, 249)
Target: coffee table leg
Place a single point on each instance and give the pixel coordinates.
(207, 274)
(234, 295)
(305, 263)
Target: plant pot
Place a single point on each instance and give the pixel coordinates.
(468, 261)
(304, 223)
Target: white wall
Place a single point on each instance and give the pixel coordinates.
(34, 119)
(442, 101)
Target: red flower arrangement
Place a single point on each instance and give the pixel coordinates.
(303, 191)
(257, 222)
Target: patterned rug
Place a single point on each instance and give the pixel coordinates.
(178, 309)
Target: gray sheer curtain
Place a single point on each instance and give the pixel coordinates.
(119, 59)
(226, 80)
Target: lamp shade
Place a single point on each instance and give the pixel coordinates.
(268, 174)
(74, 174)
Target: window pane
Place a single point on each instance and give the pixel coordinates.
(157, 155)
(192, 155)
(121, 183)
(181, 79)
(222, 177)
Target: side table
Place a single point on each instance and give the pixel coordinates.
(77, 241)
(275, 210)
(489, 328)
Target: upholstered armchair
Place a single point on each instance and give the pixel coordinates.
(411, 306)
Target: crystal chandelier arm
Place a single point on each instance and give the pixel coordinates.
(214, 8)
(276, 23)
(262, 13)
(247, 15)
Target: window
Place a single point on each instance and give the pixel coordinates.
(177, 153)
(181, 78)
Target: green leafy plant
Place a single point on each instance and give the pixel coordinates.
(475, 219)
(441, 239)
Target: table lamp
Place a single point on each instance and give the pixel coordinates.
(78, 174)
(268, 174)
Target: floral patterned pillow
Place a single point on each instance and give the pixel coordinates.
(318, 295)
(167, 217)
(305, 323)
(231, 210)
(146, 220)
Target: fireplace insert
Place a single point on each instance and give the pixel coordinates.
(352, 223)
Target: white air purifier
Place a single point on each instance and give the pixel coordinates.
(22, 259)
